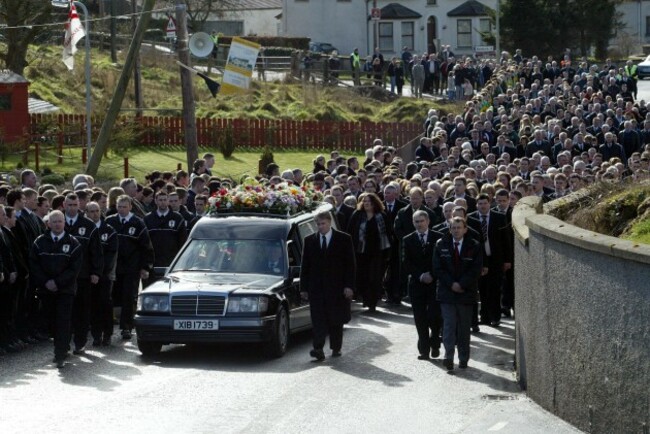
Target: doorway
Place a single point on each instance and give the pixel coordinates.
(432, 35)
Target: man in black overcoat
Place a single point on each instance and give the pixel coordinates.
(327, 278)
(417, 260)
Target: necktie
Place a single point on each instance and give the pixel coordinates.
(390, 208)
(484, 227)
(324, 243)
(123, 221)
(456, 254)
(422, 241)
(56, 239)
(70, 222)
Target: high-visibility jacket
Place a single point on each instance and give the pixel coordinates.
(356, 61)
(632, 72)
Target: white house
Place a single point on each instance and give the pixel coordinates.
(417, 24)
(421, 24)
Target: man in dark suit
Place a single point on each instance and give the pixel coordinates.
(460, 188)
(497, 257)
(503, 146)
(343, 211)
(457, 263)
(392, 206)
(502, 198)
(417, 260)
(609, 149)
(327, 277)
(538, 144)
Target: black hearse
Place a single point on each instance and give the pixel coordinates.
(235, 280)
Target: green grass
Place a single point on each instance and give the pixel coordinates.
(144, 161)
(639, 232)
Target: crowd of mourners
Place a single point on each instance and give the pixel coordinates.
(545, 129)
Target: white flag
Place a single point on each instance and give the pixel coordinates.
(74, 31)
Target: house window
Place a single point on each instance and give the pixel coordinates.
(647, 25)
(464, 30)
(485, 27)
(234, 28)
(432, 2)
(408, 36)
(386, 37)
(5, 101)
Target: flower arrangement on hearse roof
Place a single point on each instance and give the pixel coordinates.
(252, 196)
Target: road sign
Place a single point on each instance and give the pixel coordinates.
(375, 14)
(483, 48)
(60, 3)
(171, 28)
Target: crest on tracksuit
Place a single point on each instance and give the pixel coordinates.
(82, 231)
(66, 248)
(131, 231)
(104, 237)
(172, 224)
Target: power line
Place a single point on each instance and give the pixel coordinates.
(59, 24)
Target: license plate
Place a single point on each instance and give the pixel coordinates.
(196, 324)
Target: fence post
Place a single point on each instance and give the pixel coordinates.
(37, 151)
(84, 156)
(126, 167)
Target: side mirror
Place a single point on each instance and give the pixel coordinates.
(160, 272)
(294, 271)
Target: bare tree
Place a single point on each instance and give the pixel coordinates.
(198, 11)
(27, 13)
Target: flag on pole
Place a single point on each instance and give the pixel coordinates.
(74, 31)
(212, 85)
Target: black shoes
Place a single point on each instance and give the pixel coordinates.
(462, 365)
(423, 357)
(97, 342)
(126, 335)
(449, 364)
(435, 353)
(495, 323)
(336, 354)
(79, 351)
(319, 355)
(476, 329)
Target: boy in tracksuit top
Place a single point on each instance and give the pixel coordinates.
(54, 262)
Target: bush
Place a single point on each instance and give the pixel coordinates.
(54, 179)
(267, 157)
(227, 142)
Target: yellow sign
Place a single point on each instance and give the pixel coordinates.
(239, 67)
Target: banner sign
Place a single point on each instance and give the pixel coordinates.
(239, 67)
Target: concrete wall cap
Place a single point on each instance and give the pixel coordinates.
(527, 206)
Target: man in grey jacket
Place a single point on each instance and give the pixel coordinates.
(417, 82)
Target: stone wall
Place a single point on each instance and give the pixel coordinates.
(582, 322)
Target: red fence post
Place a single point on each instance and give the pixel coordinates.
(126, 167)
(84, 156)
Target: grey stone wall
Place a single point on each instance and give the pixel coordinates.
(582, 323)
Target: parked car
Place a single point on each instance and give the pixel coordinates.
(236, 279)
(643, 68)
(322, 47)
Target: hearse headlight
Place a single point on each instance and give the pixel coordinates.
(247, 304)
(153, 303)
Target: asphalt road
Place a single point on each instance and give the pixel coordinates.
(377, 386)
(644, 90)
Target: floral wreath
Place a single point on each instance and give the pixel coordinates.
(251, 196)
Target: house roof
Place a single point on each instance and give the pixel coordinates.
(395, 11)
(35, 105)
(7, 77)
(470, 8)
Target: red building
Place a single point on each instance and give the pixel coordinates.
(14, 111)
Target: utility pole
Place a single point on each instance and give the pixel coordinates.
(137, 76)
(189, 117)
(120, 90)
(375, 29)
(113, 32)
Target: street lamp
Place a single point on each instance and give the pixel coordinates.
(66, 4)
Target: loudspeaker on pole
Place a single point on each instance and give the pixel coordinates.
(201, 44)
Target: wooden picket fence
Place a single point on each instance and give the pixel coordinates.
(167, 131)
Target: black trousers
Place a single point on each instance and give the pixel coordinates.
(427, 317)
(58, 311)
(7, 313)
(81, 313)
(490, 290)
(391, 278)
(101, 308)
(126, 294)
(508, 293)
(335, 332)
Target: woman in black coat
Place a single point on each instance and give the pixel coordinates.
(368, 229)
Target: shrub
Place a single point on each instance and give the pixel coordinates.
(53, 178)
(227, 142)
(267, 157)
